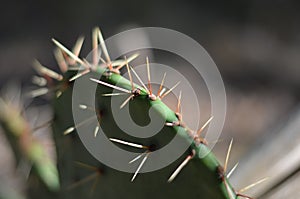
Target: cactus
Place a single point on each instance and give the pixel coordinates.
(196, 174)
(25, 145)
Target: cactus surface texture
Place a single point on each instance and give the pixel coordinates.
(79, 174)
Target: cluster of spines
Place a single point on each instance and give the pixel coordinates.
(69, 60)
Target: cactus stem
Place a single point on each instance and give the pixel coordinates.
(111, 69)
(221, 172)
(229, 191)
(181, 166)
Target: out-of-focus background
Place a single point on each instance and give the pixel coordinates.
(255, 44)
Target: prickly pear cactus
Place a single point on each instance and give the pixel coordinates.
(193, 175)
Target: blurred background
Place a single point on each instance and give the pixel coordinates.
(255, 44)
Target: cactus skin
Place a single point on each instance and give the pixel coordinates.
(199, 179)
(202, 177)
